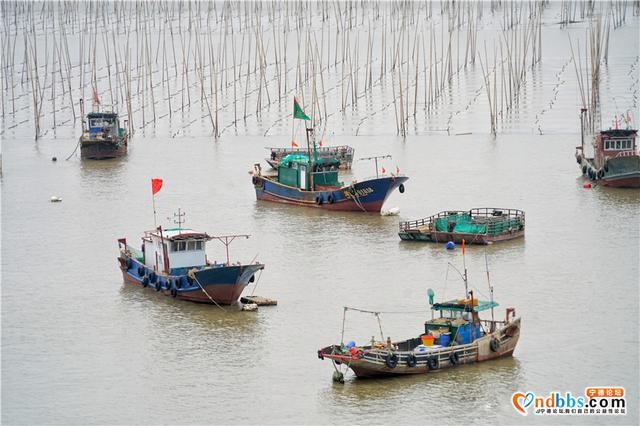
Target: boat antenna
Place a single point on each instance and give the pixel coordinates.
(486, 262)
(179, 219)
(464, 262)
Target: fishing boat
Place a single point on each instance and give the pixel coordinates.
(174, 262)
(343, 154)
(307, 180)
(102, 137)
(616, 157)
(454, 335)
(476, 226)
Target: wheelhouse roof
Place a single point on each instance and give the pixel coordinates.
(178, 234)
(618, 132)
(102, 115)
(453, 305)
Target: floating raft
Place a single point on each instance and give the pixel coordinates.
(258, 300)
(475, 226)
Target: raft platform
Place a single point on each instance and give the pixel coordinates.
(258, 300)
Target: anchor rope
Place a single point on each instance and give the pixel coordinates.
(192, 274)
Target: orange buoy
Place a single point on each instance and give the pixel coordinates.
(586, 185)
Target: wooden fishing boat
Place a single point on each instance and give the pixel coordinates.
(102, 137)
(454, 335)
(307, 180)
(616, 159)
(174, 262)
(478, 226)
(343, 154)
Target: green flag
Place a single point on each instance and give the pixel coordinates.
(297, 111)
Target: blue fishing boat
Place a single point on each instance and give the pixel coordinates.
(102, 136)
(174, 262)
(306, 180)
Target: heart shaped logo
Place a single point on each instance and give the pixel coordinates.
(521, 401)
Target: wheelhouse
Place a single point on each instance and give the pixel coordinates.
(174, 249)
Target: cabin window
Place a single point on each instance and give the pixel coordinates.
(606, 145)
(199, 245)
(179, 246)
(191, 245)
(618, 144)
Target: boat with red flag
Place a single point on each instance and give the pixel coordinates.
(615, 160)
(174, 262)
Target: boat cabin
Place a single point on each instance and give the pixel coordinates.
(457, 321)
(294, 170)
(614, 143)
(174, 249)
(103, 122)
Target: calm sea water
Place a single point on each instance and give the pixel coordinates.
(78, 346)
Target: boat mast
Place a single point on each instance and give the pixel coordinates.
(486, 262)
(311, 162)
(582, 113)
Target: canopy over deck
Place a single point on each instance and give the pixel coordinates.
(454, 305)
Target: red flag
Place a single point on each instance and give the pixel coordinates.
(96, 99)
(320, 143)
(294, 144)
(397, 170)
(156, 186)
(384, 170)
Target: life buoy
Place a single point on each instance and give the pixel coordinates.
(494, 345)
(318, 199)
(391, 360)
(330, 199)
(153, 277)
(454, 358)
(432, 363)
(140, 270)
(401, 188)
(145, 281)
(411, 360)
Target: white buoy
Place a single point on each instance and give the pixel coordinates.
(250, 307)
(55, 199)
(391, 212)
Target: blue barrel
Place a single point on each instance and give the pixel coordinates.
(445, 339)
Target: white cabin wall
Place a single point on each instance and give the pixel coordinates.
(184, 259)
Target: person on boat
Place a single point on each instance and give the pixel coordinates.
(273, 155)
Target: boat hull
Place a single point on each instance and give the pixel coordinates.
(620, 172)
(372, 363)
(102, 149)
(366, 196)
(457, 237)
(218, 284)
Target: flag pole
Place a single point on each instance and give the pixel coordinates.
(153, 197)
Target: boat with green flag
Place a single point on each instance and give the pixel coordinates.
(310, 180)
(476, 226)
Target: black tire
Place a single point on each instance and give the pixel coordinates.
(145, 281)
(454, 358)
(330, 199)
(140, 270)
(318, 200)
(391, 360)
(432, 363)
(600, 174)
(153, 277)
(401, 188)
(158, 285)
(584, 170)
(411, 360)
(494, 345)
